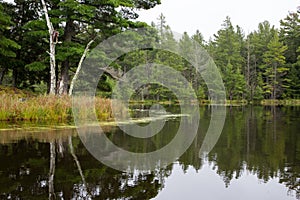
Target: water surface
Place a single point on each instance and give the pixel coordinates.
(256, 157)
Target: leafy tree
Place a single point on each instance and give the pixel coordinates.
(227, 54)
(198, 37)
(256, 46)
(258, 92)
(8, 46)
(166, 56)
(101, 16)
(274, 68)
(264, 64)
(77, 22)
(201, 87)
(290, 36)
(28, 67)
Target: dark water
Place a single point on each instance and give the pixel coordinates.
(256, 157)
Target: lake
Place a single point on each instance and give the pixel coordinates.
(257, 157)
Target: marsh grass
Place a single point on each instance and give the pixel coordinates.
(276, 102)
(46, 108)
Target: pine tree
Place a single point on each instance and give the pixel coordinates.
(290, 35)
(256, 46)
(29, 67)
(8, 47)
(274, 68)
(227, 54)
(79, 22)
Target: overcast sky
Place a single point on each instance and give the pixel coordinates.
(207, 16)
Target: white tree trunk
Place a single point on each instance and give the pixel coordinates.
(78, 167)
(52, 50)
(52, 171)
(79, 66)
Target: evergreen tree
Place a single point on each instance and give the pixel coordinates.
(227, 55)
(274, 68)
(78, 22)
(256, 45)
(201, 86)
(290, 35)
(29, 65)
(8, 47)
(198, 37)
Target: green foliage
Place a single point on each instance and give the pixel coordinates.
(36, 66)
(226, 50)
(69, 50)
(274, 69)
(290, 36)
(77, 22)
(263, 64)
(7, 46)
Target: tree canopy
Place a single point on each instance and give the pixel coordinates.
(264, 64)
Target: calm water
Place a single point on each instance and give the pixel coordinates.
(256, 157)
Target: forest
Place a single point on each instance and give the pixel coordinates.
(261, 65)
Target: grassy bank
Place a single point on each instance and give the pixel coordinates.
(59, 109)
(46, 108)
(287, 102)
(20, 105)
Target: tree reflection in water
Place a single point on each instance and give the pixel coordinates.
(25, 173)
(263, 141)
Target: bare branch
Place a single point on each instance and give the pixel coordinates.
(79, 66)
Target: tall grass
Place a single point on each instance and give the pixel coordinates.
(46, 108)
(59, 109)
(276, 102)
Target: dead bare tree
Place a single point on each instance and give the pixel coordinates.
(79, 66)
(52, 32)
(52, 170)
(72, 151)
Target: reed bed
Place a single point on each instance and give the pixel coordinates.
(46, 108)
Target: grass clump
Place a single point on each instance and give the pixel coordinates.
(46, 108)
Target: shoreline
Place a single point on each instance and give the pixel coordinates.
(54, 109)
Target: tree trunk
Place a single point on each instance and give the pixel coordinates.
(248, 70)
(14, 77)
(78, 166)
(275, 80)
(79, 66)
(52, 50)
(69, 32)
(2, 73)
(63, 84)
(52, 170)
